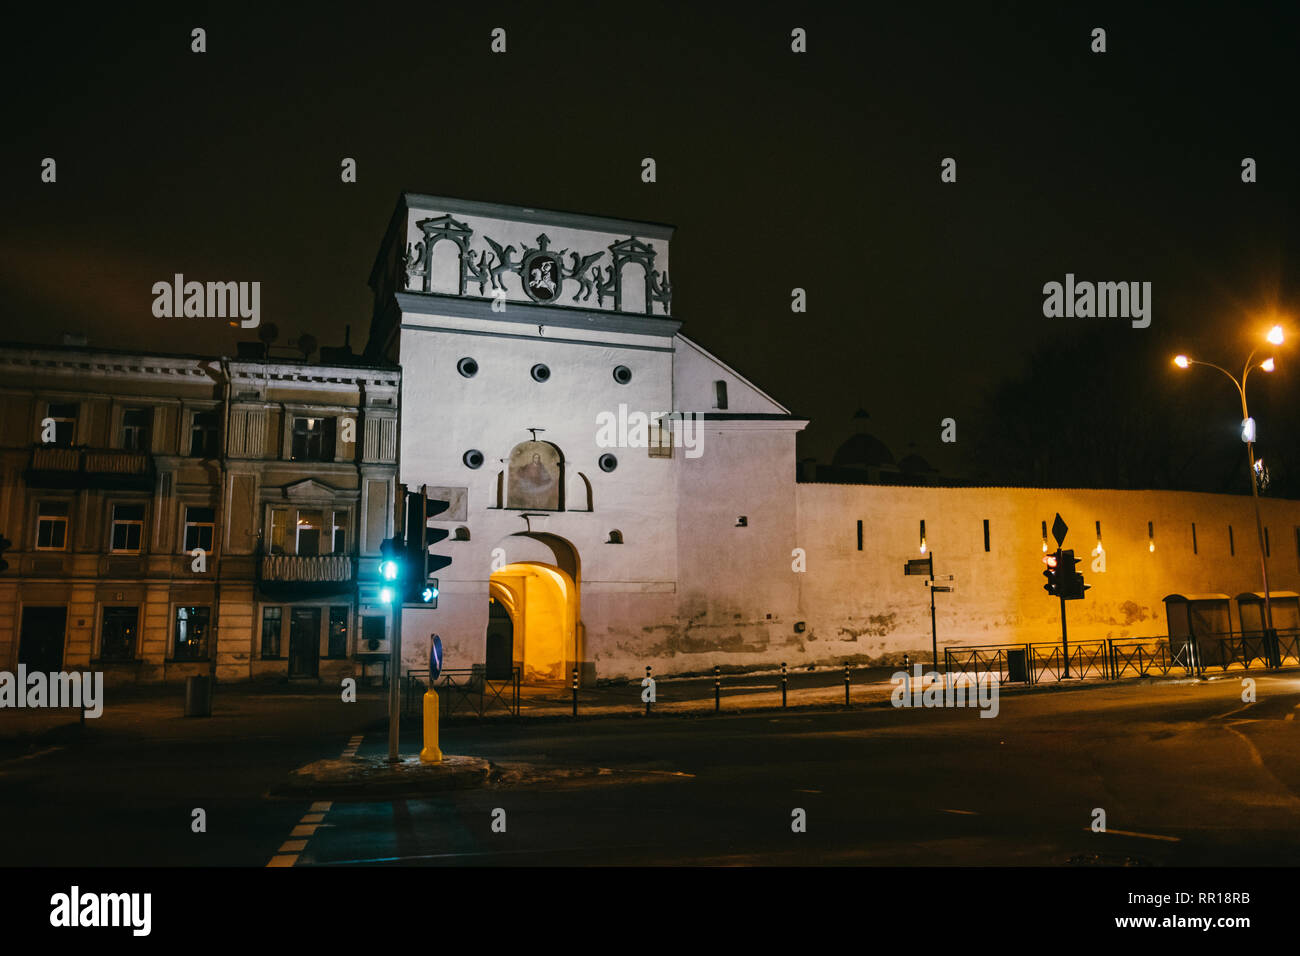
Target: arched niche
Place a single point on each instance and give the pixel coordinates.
(632, 291)
(445, 273)
(535, 477)
(419, 257)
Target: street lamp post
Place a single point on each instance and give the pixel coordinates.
(1248, 433)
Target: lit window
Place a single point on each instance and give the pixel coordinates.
(313, 439)
(191, 642)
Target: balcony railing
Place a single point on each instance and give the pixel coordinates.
(294, 569)
(57, 466)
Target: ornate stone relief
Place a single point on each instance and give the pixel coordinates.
(541, 270)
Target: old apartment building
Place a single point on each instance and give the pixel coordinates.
(171, 515)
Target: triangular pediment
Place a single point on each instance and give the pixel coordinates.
(309, 489)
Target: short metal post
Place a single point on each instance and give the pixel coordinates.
(648, 686)
(575, 692)
(846, 685)
(784, 681)
(717, 690)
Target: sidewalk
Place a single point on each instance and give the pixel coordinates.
(157, 711)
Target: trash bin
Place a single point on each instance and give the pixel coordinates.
(1017, 666)
(198, 696)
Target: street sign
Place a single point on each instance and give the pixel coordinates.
(1059, 528)
(944, 588)
(919, 566)
(435, 658)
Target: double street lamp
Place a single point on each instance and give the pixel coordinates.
(1274, 337)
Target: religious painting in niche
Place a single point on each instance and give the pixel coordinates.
(534, 476)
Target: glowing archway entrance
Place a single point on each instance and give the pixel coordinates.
(537, 594)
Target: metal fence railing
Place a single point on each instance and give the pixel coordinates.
(463, 691)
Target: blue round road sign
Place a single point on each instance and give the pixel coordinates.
(435, 657)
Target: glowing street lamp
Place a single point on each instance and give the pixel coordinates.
(1274, 337)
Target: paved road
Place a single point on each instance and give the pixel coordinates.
(1185, 772)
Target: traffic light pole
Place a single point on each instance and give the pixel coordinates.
(934, 630)
(1065, 640)
(395, 645)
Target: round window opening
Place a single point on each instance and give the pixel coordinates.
(541, 373)
(473, 458)
(608, 462)
(467, 367)
(622, 374)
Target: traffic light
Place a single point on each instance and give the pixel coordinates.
(421, 587)
(1070, 581)
(391, 569)
(1053, 586)
(5, 545)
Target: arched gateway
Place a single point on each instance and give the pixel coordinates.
(534, 609)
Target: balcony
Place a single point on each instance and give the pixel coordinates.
(56, 466)
(292, 574)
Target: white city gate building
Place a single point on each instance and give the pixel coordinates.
(618, 496)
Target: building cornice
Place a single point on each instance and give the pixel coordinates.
(530, 314)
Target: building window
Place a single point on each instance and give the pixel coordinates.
(923, 544)
(1268, 551)
(308, 533)
(271, 619)
(719, 394)
(205, 430)
(338, 636)
(986, 534)
(313, 439)
(1194, 551)
(52, 526)
(1232, 545)
(128, 528)
(661, 438)
(279, 521)
(199, 524)
(117, 636)
(315, 531)
(135, 428)
(65, 422)
(191, 633)
(859, 535)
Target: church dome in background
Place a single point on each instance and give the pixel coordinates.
(862, 451)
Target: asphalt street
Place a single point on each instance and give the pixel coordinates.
(1185, 773)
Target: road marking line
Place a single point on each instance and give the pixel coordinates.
(1141, 836)
(312, 818)
(283, 860)
(293, 846)
(797, 790)
(1231, 712)
(321, 806)
(307, 830)
(968, 813)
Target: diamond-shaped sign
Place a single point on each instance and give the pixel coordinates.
(1059, 529)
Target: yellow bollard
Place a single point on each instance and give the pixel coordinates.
(430, 753)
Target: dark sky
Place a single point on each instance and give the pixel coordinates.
(779, 170)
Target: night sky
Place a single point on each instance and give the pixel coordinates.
(779, 170)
